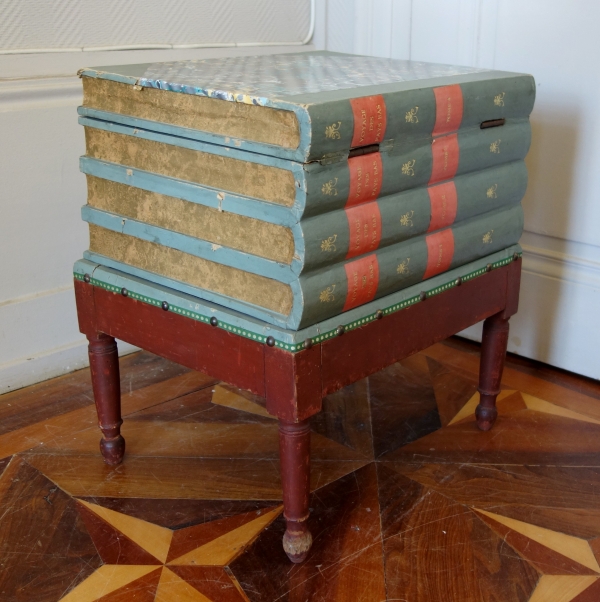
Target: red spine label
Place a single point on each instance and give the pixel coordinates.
(448, 109)
(364, 223)
(443, 201)
(366, 173)
(363, 277)
(445, 153)
(370, 120)
(440, 250)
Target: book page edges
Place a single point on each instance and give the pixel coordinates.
(263, 182)
(239, 232)
(171, 263)
(237, 120)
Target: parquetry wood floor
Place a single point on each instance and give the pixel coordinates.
(410, 501)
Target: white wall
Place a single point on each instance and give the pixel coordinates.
(41, 190)
(556, 41)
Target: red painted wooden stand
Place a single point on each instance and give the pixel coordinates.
(294, 383)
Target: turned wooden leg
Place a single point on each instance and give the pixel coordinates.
(104, 365)
(294, 454)
(493, 352)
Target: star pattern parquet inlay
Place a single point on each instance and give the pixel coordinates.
(142, 557)
(409, 500)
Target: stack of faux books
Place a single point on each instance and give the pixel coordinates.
(295, 187)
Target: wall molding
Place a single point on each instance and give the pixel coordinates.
(40, 338)
(561, 266)
(27, 94)
(25, 371)
(37, 295)
(182, 24)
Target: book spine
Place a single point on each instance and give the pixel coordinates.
(340, 125)
(365, 178)
(347, 233)
(342, 287)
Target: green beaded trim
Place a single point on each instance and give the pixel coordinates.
(294, 347)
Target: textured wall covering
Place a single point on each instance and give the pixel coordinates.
(71, 24)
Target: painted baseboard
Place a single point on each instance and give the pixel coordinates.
(40, 338)
(26, 371)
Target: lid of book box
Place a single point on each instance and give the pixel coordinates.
(303, 106)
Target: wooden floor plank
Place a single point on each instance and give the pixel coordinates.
(524, 437)
(172, 587)
(154, 539)
(346, 561)
(561, 588)
(551, 552)
(60, 395)
(4, 463)
(198, 407)
(590, 594)
(192, 439)
(487, 487)
(45, 548)
(46, 431)
(113, 545)
(139, 590)
(437, 549)
(184, 478)
(226, 547)
(403, 406)
(213, 582)
(231, 397)
(346, 418)
(193, 537)
(180, 513)
(538, 370)
(468, 365)
(450, 391)
(107, 579)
